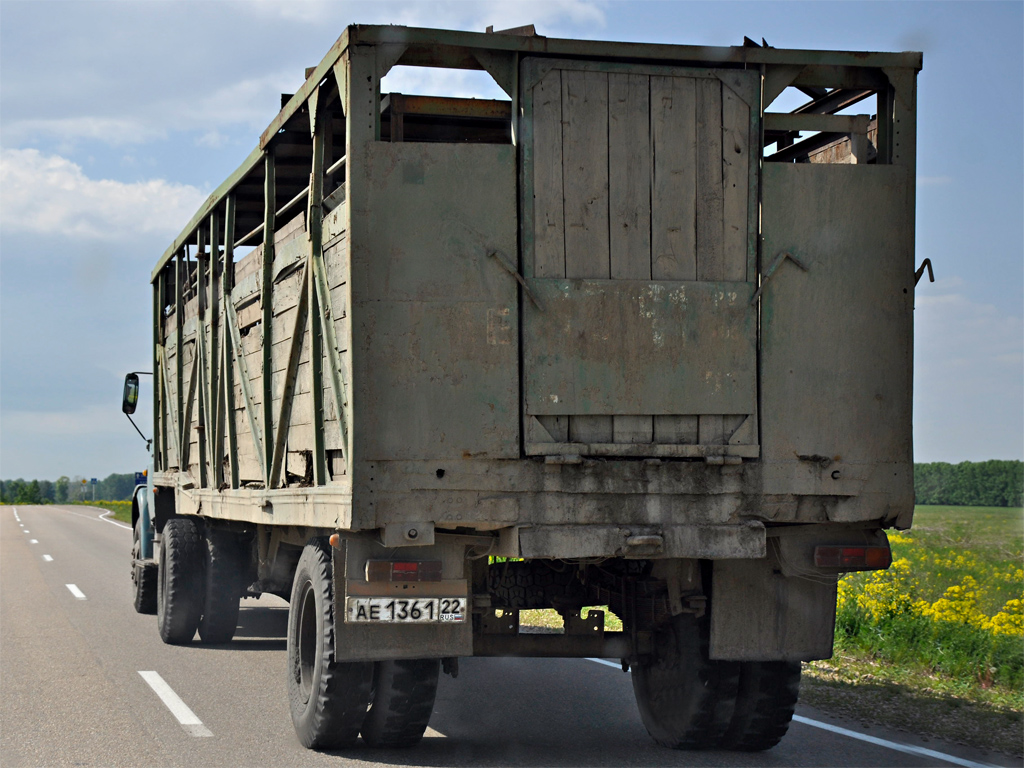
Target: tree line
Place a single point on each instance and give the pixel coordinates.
(974, 484)
(66, 490)
(970, 483)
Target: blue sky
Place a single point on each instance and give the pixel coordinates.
(118, 118)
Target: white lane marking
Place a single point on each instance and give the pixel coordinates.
(173, 702)
(26, 531)
(896, 746)
(919, 751)
(94, 517)
(47, 558)
(607, 663)
(75, 591)
(33, 541)
(119, 524)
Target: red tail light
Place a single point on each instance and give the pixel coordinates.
(403, 570)
(853, 558)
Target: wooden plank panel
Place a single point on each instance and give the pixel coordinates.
(629, 176)
(673, 208)
(673, 204)
(548, 215)
(585, 173)
(585, 192)
(676, 430)
(591, 429)
(710, 213)
(629, 201)
(710, 197)
(249, 265)
(735, 180)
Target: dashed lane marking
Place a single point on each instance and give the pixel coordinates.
(33, 541)
(47, 558)
(173, 702)
(75, 591)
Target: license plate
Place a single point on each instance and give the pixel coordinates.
(391, 610)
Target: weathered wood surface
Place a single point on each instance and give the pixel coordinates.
(640, 175)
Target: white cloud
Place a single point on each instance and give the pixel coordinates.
(49, 194)
(969, 377)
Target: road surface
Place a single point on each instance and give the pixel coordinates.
(86, 681)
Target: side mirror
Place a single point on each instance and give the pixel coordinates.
(131, 393)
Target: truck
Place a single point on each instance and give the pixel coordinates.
(627, 342)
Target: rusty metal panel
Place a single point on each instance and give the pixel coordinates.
(639, 347)
(434, 313)
(837, 338)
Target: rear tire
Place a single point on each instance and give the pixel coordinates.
(223, 587)
(180, 582)
(767, 696)
(403, 700)
(686, 701)
(328, 699)
(144, 578)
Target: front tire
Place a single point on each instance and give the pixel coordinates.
(144, 578)
(403, 700)
(328, 699)
(686, 701)
(180, 582)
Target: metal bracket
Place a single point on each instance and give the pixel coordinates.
(771, 271)
(507, 623)
(507, 266)
(927, 263)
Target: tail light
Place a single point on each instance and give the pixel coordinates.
(403, 570)
(853, 558)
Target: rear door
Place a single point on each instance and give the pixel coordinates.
(639, 222)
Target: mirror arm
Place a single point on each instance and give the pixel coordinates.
(148, 441)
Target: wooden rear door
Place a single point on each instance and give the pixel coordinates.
(638, 237)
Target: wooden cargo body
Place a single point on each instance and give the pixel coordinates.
(627, 311)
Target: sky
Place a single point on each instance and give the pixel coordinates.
(117, 119)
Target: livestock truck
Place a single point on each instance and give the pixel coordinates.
(626, 340)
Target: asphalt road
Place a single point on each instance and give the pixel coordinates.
(71, 692)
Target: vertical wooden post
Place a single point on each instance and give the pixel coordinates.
(319, 125)
(215, 358)
(179, 365)
(203, 394)
(157, 400)
(269, 214)
(227, 284)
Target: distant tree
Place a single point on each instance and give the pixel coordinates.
(60, 490)
(994, 483)
(46, 491)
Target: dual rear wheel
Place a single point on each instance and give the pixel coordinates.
(198, 584)
(332, 703)
(688, 701)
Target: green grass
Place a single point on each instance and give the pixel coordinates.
(947, 615)
(120, 510)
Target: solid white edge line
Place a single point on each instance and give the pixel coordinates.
(47, 558)
(74, 590)
(611, 664)
(919, 751)
(94, 517)
(173, 702)
(118, 523)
